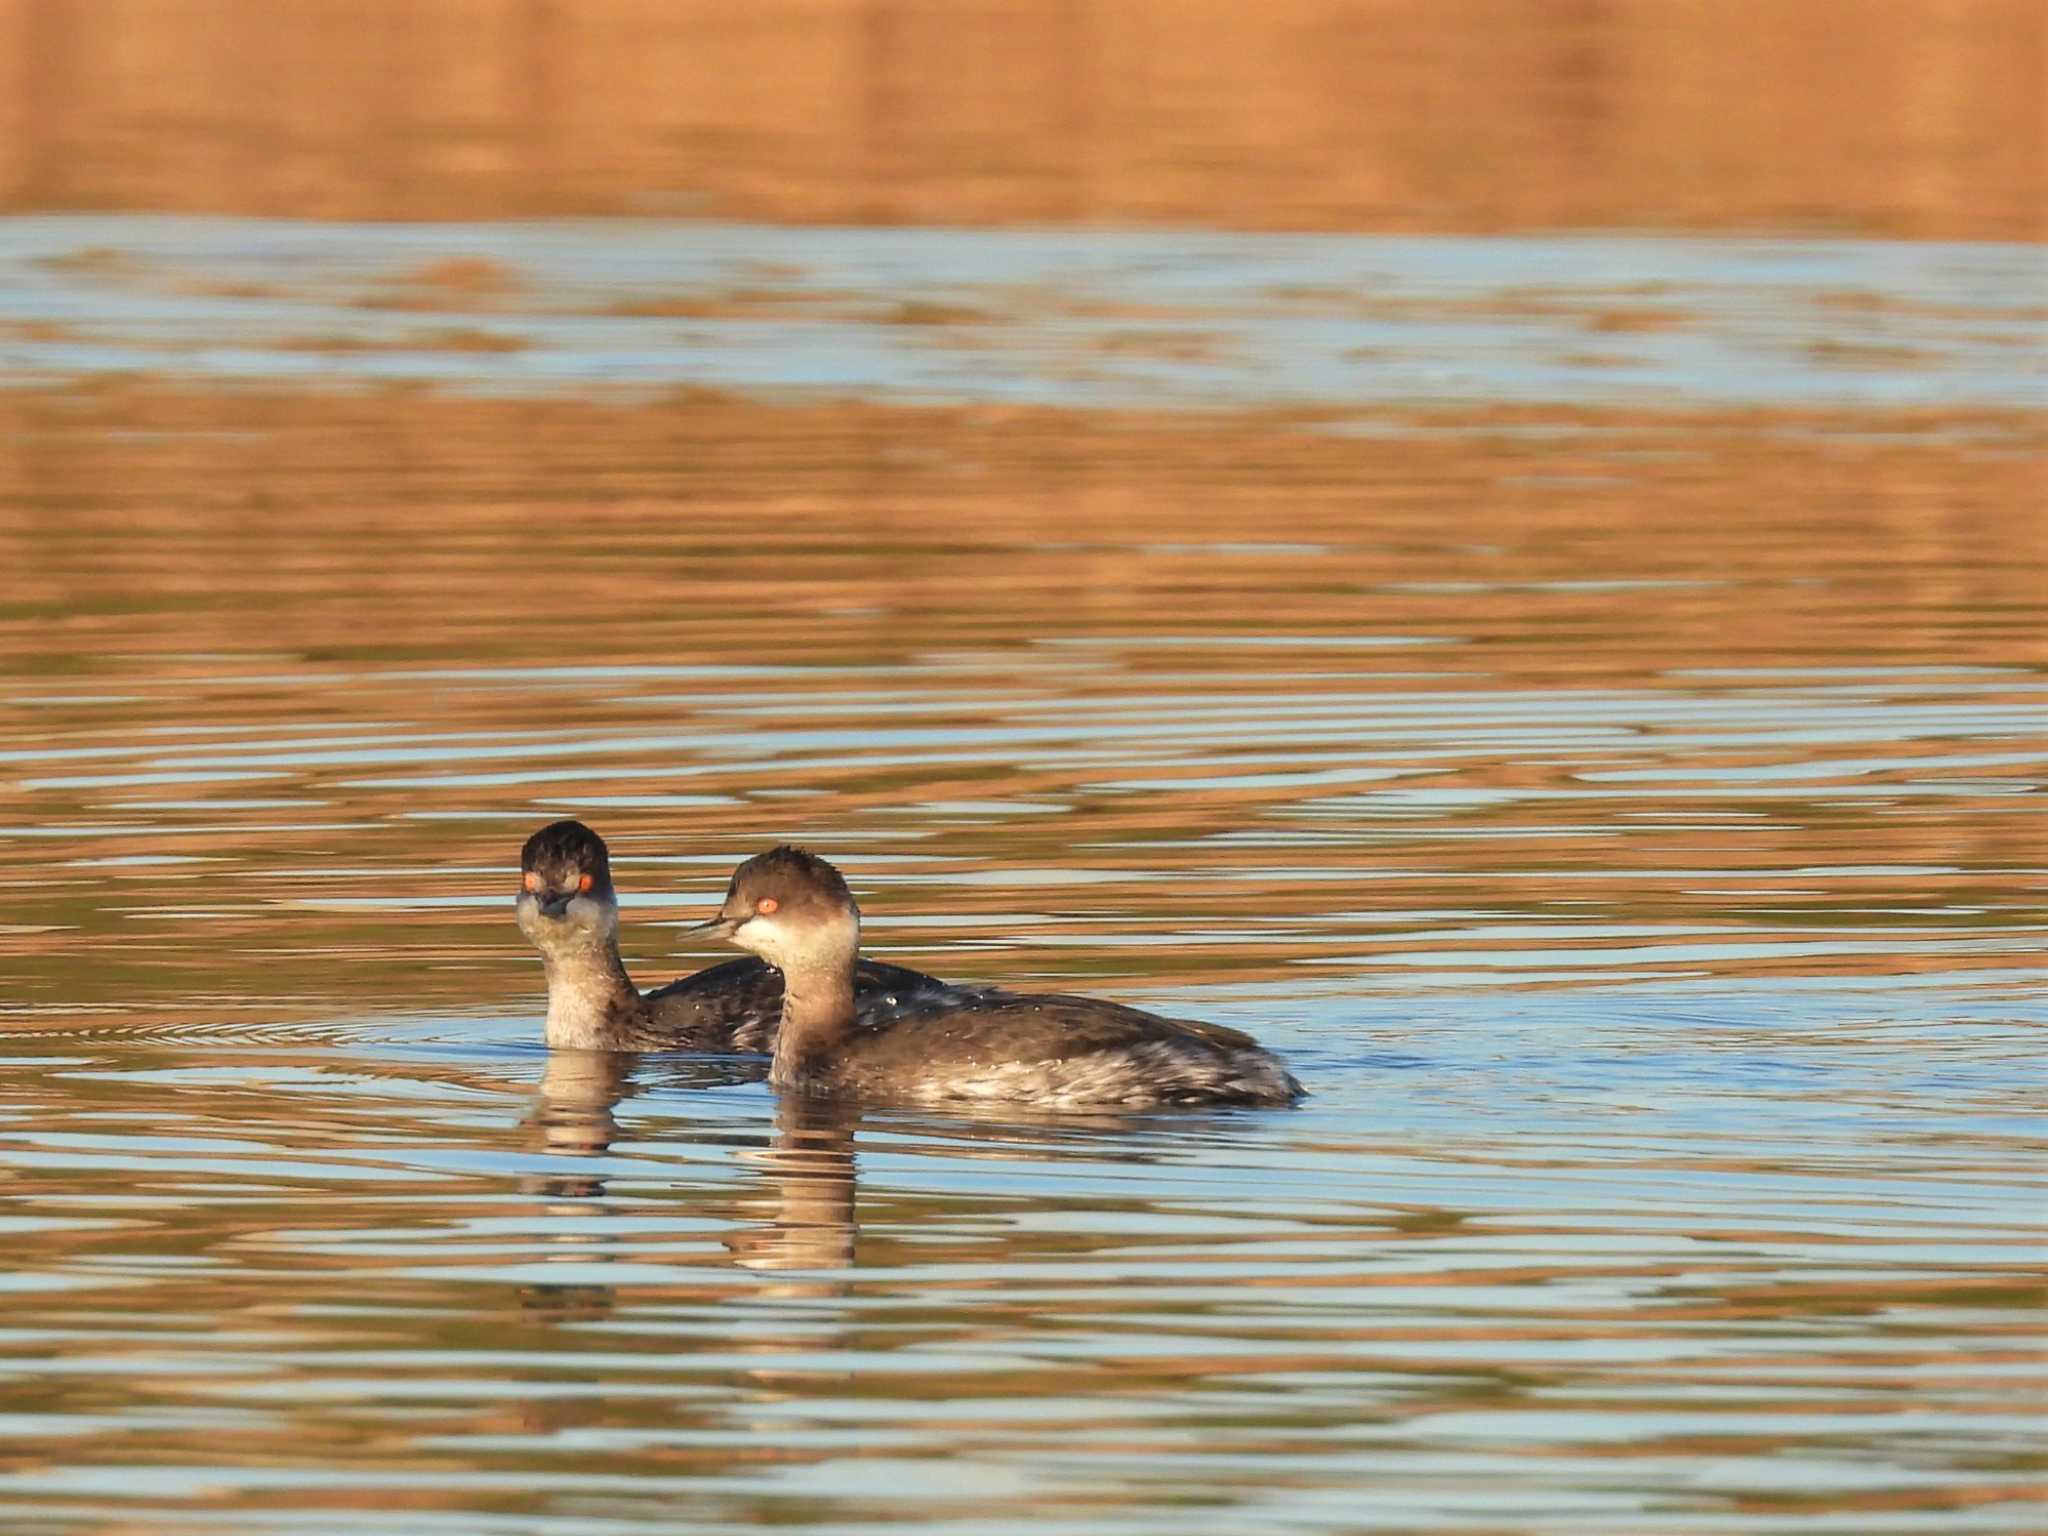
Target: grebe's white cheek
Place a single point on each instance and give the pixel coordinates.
(593, 915)
(527, 908)
(783, 944)
(764, 936)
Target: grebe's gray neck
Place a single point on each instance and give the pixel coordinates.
(817, 1000)
(589, 994)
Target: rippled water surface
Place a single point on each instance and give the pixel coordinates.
(1051, 317)
(1629, 826)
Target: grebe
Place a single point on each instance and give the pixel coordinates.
(1055, 1051)
(567, 908)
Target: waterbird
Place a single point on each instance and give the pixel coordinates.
(570, 912)
(953, 1043)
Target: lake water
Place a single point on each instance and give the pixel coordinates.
(1621, 804)
(1128, 319)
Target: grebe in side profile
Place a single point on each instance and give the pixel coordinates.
(1055, 1051)
(567, 908)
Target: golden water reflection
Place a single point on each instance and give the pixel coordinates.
(1625, 823)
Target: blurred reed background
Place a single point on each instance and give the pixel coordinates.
(1921, 118)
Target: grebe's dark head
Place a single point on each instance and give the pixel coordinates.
(565, 887)
(789, 907)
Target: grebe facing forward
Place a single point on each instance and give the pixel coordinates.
(567, 908)
(794, 911)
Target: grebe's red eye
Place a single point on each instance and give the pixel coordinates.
(530, 880)
(765, 905)
(585, 883)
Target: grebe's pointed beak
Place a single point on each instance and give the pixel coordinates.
(720, 927)
(555, 903)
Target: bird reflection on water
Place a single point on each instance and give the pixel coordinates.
(800, 1217)
(804, 1212)
(796, 1217)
